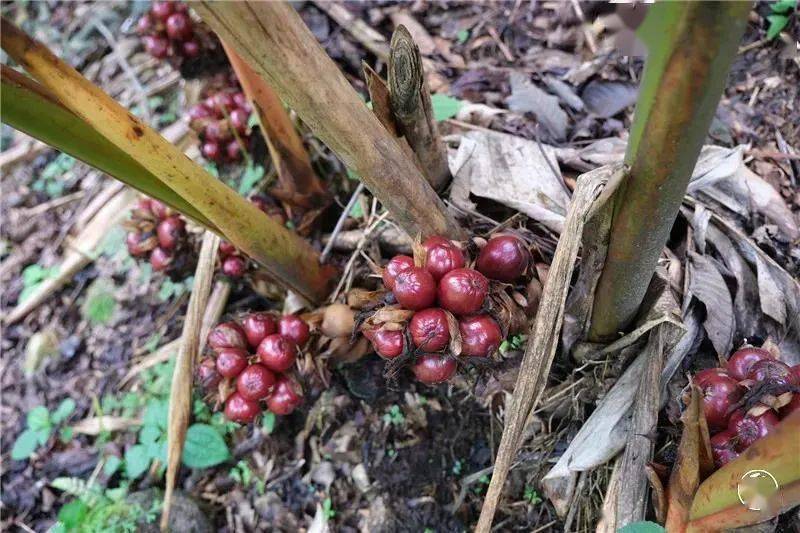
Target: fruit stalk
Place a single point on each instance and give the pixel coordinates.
(691, 47)
(272, 39)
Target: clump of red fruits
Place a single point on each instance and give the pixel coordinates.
(168, 31)
(221, 120)
(443, 313)
(232, 263)
(253, 357)
(158, 232)
(746, 400)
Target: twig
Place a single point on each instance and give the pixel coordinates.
(590, 40)
(550, 164)
(52, 204)
(339, 223)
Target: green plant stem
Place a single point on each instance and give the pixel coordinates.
(691, 47)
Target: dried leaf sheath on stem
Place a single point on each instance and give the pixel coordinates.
(299, 183)
(272, 39)
(412, 108)
(271, 244)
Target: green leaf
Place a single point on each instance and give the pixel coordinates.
(783, 6)
(137, 461)
(72, 514)
(357, 211)
(32, 276)
(156, 414)
(204, 447)
(352, 175)
(64, 409)
(642, 527)
(65, 434)
(100, 304)
(111, 465)
(252, 175)
(462, 36)
(268, 422)
(39, 418)
(776, 24)
(24, 445)
(445, 106)
(150, 434)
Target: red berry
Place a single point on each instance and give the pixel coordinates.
(231, 362)
(480, 336)
(431, 368)
(294, 328)
(190, 48)
(414, 288)
(144, 25)
(504, 258)
(169, 231)
(207, 373)
(771, 371)
(224, 101)
(156, 46)
(234, 266)
(257, 326)
(160, 259)
(286, 396)
(722, 447)
(719, 394)
(211, 151)
(179, 27)
(199, 113)
(704, 375)
(241, 101)
(442, 256)
(226, 248)
(162, 10)
(216, 130)
(240, 409)
(277, 352)
(180, 7)
(234, 151)
(387, 343)
(463, 290)
(160, 210)
(749, 429)
(145, 205)
(239, 118)
(429, 329)
(395, 265)
(137, 244)
(255, 382)
(227, 335)
(210, 104)
(740, 362)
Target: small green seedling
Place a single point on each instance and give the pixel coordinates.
(40, 426)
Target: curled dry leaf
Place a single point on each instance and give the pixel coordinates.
(508, 314)
(455, 334)
(360, 298)
(533, 295)
(389, 314)
(420, 256)
(542, 269)
(659, 496)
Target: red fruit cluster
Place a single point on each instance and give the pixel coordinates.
(157, 231)
(233, 264)
(446, 287)
(748, 371)
(255, 353)
(168, 31)
(221, 121)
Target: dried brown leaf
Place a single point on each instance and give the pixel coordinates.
(685, 477)
(455, 343)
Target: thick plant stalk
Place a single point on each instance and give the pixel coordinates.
(272, 39)
(276, 248)
(691, 46)
(413, 111)
(299, 182)
(180, 397)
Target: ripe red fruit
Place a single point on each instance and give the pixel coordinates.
(240, 409)
(179, 26)
(224, 101)
(234, 266)
(231, 361)
(241, 101)
(257, 326)
(463, 290)
(480, 336)
(294, 328)
(277, 352)
(749, 429)
(156, 46)
(504, 258)
(719, 394)
(233, 150)
(704, 375)
(771, 371)
(387, 343)
(227, 335)
(226, 248)
(162, 10)
(414, 288)
(395, 265)
(442, 256)
(145, 205)
(431, 368)
(238, 119)
(429, 329)
(160, 259)
(723, 447)
(286, 396)
(216, 131)
(169, 231)
(160, 210)
(137, 244)
(199, 113)
(740, 362)
(191, 48)
(207, 374)
(144, 25)
(255, 382)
